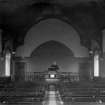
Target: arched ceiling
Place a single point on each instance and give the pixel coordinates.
(17, 16)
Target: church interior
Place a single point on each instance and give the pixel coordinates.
(52, 52)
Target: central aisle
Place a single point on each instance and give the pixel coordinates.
(52, 97)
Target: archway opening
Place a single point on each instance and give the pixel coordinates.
(47, 53)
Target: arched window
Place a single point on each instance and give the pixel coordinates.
(96, 65)
(7, 63)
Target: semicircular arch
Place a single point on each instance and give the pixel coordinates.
(52, 29)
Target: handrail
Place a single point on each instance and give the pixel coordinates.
(31, 76)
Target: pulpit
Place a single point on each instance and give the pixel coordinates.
(52, 74)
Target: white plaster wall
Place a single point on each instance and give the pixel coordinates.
(52, 29)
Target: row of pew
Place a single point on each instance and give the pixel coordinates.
(81, 93)
(22, 94)
(33, 93)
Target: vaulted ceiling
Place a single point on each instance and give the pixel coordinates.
(17, 16)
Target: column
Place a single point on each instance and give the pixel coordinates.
(0, 40)
(2, 72)
(13, 66)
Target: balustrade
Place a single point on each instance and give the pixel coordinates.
(34, 76)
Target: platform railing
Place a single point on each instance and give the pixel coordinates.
(33, 76)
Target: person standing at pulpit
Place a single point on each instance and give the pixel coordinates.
(54, 67)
